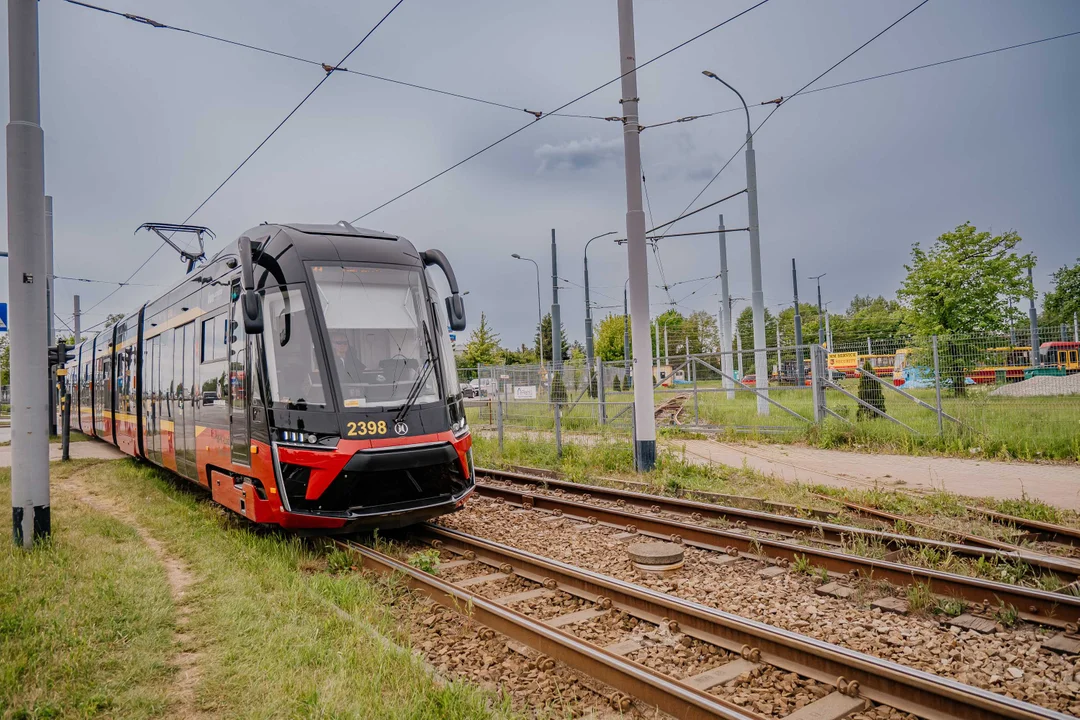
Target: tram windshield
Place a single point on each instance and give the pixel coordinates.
(378, 335)
(292, 365)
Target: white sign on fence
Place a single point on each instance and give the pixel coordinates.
(524, 392)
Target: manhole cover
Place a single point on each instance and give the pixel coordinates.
(656, 556)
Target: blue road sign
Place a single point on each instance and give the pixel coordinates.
(3, 317)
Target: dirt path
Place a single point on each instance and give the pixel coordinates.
(187, 658)
(1055, 484)
(78, 450)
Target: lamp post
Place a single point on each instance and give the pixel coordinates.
(588, 308)
(820, 309)
(756, 294)
(539, 307)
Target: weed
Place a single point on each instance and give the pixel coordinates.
(950, 607)
(1030, 509)
(823, 573)
(426, 560)
(1007, 615)
(338, 561)
(1049, 582)
(802, 565)
(919, 596)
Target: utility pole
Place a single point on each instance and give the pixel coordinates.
(820, 310)
(779, 356)
(656, 333)
(556, 324)
(50, 333)
(636, 258)
(1033, 318)
(828, 330)
(667, 352)
(1076, 328)
(738, 343)
(588, 312)
(27, 281)
(725, 316)
(78, 321)
(798, 326)
(625, 334)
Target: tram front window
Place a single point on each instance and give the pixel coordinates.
(377, 330)
(291, 363)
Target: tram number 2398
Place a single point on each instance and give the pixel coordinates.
(365, 429)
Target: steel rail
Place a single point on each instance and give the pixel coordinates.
(1046, 531)
(646, 685)
(1035, 605)
(1067, 570)
(904, 688)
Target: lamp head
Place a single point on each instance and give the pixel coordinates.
(516, 256)
(709, 73)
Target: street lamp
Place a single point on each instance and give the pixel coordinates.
(757, 295)
(539, 307)
(588, 309)
(820, 308)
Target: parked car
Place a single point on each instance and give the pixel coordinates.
(750, 380)
(467, 390)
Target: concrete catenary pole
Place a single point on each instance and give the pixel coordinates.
(636, 258)
(725, 316)
(667, 351)
(820, 310)
(556, 323)
(78, 321)
(798, 325)
(28, 323)
(625, 335)
(1033, 318)
(1076, 327)
(757, 295)
(828, 331)
(50, 305)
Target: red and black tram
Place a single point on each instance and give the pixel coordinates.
(304, 376)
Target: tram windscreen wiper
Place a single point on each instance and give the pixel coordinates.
(421, 378)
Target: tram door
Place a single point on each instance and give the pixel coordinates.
(184, 420)
(239, 386)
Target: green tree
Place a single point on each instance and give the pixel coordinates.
(608, 338)
(483, 346)
(870, 393)
(873, 317)
(523, 356)
(545, 331)
(112, 319)
(1062, 303)
(616, 384)
(5, 360)
(744, 329)
(967, 282)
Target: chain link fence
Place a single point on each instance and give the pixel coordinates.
(988, 393)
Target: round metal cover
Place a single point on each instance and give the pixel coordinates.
(656, 553)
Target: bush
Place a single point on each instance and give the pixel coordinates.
(594, 391)
(616, 384)
(871, 394)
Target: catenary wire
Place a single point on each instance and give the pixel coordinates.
(307, 61)
(258, 147)
(506, 137)
(783, 102)
(857, 81)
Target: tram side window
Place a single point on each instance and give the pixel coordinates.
(214, 339)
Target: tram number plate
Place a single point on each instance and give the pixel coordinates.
(365, 429)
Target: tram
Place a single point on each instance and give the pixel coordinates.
(304, 376)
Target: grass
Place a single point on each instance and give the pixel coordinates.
(74, 437)
(87, 622)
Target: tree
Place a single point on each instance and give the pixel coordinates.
(112, 319)
(616, 384)
(545, 331)
(524, 356)
(967, 282)
(483, 346)
(5, 360)
(868, 317)
(558, 388)
(871, 394)
(1062, 303)
(744, 328)
(608, 338)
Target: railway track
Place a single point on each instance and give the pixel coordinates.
(1066, 570)
(851, 678)
(667, 413)
(1053, 609)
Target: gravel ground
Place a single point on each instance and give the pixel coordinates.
(1009, 661)
(1040, 386)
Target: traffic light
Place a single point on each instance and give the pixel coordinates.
(60, 355)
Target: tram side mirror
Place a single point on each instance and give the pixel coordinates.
(455, 312)
(455, 306)
(250, 306)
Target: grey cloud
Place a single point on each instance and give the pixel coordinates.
(578, 154)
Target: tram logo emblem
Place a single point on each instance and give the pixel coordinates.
(401, 428)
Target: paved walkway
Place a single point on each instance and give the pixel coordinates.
(86, 449)
(1055, 484)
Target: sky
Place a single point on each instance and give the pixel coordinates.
(141, 124)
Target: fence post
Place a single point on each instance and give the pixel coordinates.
(817, 385)
(558, 431)
(600, 390)
(499, 419)
(937, 388)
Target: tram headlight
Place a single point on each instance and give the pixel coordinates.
(312, 439)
